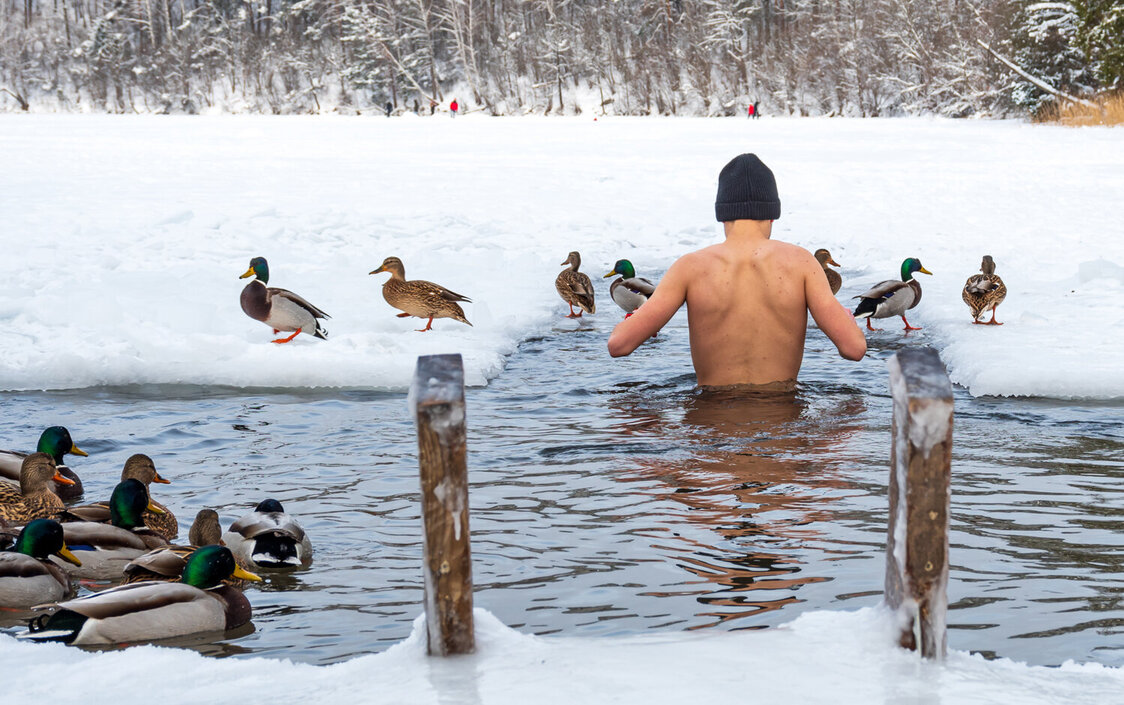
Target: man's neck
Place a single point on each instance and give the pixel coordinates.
(747, 230)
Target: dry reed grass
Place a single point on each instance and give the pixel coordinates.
(1109, 112)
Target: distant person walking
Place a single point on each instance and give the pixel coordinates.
(389, 108)
(453, 107)
(751, 111)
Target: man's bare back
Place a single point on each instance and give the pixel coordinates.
(747, 304)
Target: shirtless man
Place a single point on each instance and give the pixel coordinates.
(748, 298)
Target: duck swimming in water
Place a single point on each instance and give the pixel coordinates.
(27, 578)
(32, 498)
(55, 442)
(892, 298)
(279, 309)
(160, 519)
(269, 538)
(152, 610)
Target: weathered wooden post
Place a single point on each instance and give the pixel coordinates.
(920, 467)
(437, 400)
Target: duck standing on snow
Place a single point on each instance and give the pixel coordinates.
(575, 288)
(419, 298)
(105, 549)
(833, 279)
(159, 519)
(984, 292)
(892, 298)
(269, 538)
(628, 290)
(280, 309)
(55, 442)
(33, 498)
(27, 578)
(153, 610)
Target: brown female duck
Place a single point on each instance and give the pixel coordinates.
(33, 498)
(419, 298)
(575, 288)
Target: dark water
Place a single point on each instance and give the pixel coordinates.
(611, 497)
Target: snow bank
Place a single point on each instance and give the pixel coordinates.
(124, 236)
(821, 657)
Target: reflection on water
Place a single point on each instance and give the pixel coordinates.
(613, 497)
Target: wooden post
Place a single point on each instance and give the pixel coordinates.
(437, 400)
(920, 464)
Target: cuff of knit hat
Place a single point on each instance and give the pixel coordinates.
(747, 210)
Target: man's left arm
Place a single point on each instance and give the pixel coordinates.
(647, 320)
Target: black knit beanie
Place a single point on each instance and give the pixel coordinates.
(747, 191)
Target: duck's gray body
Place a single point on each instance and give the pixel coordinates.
(282, 310)
(104, 549)
(630, 294)
(269, 540)
(26, 581)
(149, 611)
(889, 298)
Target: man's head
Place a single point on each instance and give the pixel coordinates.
(746, 191)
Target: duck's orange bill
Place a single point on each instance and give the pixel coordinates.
(62, 480)
(161, 480)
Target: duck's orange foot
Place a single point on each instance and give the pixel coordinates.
(428, 326)
(286, 340)
(907, 326)
(870, 327)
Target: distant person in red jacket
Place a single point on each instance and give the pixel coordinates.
(751, 110)
(453, 107)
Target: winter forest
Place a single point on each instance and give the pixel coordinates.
(513, 57)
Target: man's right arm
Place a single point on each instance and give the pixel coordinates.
(647, 320)
(833, 319)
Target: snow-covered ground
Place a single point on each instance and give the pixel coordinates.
(822, 657)
(123, 237)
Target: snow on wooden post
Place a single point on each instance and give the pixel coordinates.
(437, 400)
(920, 465)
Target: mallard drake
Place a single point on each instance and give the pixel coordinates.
(27, 578)
(628, 290)
(269, 538)
(153, 610)
(105, 549)
(280, 309)
(575, 287)
(984, 292)
(160, 520)
(892, 298)
(33, 498)
(55, 442)
(833, 279)
(167, 563)
(419, 298)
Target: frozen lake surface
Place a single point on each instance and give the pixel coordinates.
(610, 499)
